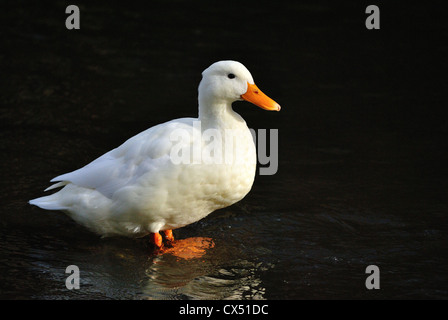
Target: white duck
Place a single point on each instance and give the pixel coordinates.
(137, 188)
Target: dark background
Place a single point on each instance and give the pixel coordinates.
(362, 155)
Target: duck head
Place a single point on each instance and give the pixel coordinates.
(227, 81)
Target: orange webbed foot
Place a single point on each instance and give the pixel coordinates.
(156, 239)
(190, 248)
(169, 235)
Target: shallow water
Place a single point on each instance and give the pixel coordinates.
(362, 148)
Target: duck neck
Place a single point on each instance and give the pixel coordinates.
(218, 114)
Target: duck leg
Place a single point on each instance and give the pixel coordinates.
(169, 235)
(156, 239)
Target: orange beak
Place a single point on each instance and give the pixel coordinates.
(258, 98)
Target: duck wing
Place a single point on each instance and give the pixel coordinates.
(147, 151)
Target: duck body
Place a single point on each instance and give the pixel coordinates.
(136, 189)
(167, 176)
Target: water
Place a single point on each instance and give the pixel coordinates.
(362, 148)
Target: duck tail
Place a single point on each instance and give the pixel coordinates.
(47, 203)
(50, 202)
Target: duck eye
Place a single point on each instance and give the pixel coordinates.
(231, 76)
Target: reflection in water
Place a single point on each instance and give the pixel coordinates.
(169, 277)
(127, 269)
